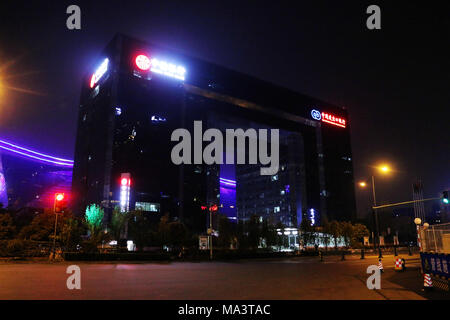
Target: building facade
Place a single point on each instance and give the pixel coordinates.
(138, 94)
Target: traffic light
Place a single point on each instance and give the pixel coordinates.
(60, 203)
(445, 197)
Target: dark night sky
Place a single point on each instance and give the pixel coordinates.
(395, 82)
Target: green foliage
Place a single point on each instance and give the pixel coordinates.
(335, 231)
(359, 232)
(118, 222)
(41, 228)
(177, 234)
(226, 232)
(70, 234)
(139, 229)
(307, 233)
(253, 232)
(163, 230)
(7, 227)
(346, 232)
(325, 229)
(94, 217)
(269, 233)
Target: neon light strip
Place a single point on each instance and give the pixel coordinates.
(31, 151)
(37, 158)
(227, 184)
(228, 180)
(334, 123)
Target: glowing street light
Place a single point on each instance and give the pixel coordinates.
(384, 169)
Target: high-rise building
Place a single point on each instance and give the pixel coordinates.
(138, 94)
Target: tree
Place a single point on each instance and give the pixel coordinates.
(163, 234)
(71, 232)
(346, 232)
(177, 234)
(326, 234)
(254, 233)
(307, 232)
(226, 233)
(139, 229)
(118, 222)
(335, 231)
(94, 216)
(269, 233)
(41, 228)
(7, 228)
(359, 232)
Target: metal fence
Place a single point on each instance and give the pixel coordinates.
(436, 238)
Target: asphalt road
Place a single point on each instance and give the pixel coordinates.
(295, 278)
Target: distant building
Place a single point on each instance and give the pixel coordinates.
(138, 94)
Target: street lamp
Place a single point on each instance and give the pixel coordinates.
(384, 169)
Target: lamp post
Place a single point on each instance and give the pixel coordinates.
(377, 227)
(57, 208)
(383, 169)
(211, 209)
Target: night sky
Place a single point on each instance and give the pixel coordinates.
(395, 81)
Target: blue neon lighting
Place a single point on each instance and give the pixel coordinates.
(316, 115)
(34, 154)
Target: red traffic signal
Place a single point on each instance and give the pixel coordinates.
(60, 203)
(213, 208)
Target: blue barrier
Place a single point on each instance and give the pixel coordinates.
(437, 264)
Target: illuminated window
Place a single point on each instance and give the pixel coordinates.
(147, 206)
(276, 209)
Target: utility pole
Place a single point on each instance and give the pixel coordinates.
(210, 235)
(58, 207)
(376, 217)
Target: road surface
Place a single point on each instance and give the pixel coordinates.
(294, 278)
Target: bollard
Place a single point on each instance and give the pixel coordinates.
(343, 256)
(409, 250)
(380, 265)
(362, 253)
(427, 282)
(321, 256)
(399, 264)
(395, 251)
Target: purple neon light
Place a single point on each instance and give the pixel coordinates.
(228, 180)
(37, 158)
(34, 152)
(227, 183)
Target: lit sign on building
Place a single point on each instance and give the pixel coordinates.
(316, 115)
(99, 72)
(312, 216)
(144, 63)
(167, 69)
(328, 118)
(125, 183)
